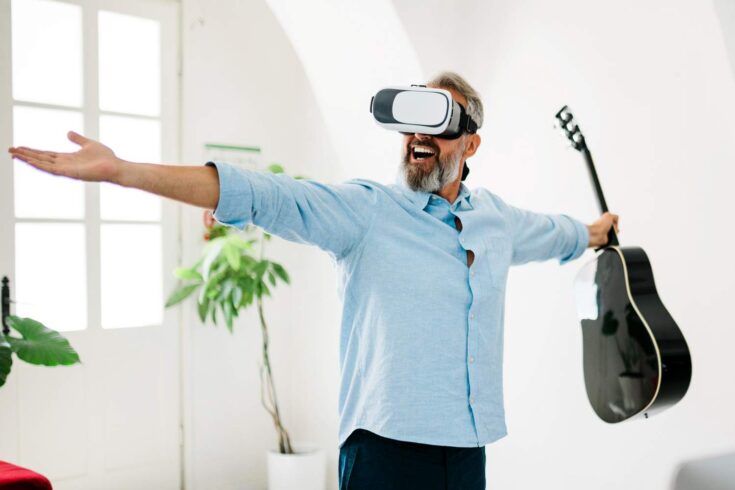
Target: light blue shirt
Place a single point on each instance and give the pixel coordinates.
(421, 340)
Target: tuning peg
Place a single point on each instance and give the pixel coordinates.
(562, 113)
(565, 115)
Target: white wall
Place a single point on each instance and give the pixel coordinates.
(651, 86)
(356, 48)
(242, 84)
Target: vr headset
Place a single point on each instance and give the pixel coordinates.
(418, 109)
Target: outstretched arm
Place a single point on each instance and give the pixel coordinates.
(538, 236)
(94, 162)
(333, 217)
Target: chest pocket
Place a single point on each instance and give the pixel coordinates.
(498, 250)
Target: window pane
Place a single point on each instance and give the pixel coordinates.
(47, 52)
(132, 291)
(136, 140)
(51, 277)
(129, 61)
(38, 194)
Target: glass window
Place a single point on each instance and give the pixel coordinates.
(38, 194)
(47, 45)
(51, 274)
(130, 64)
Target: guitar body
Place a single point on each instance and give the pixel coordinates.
(636, 360)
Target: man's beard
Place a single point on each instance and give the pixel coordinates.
(444, 171)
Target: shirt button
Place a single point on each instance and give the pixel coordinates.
(472, 359)
(472, 316)
(472, 273)
(472, 399)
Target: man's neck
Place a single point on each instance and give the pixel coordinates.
(450, 191)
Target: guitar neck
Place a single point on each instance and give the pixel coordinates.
(612, 238)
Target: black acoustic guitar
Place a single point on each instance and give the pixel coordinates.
(636, 361)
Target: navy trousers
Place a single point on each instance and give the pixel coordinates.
(368, 461)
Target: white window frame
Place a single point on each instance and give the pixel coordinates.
(168, 12)
(164, 11)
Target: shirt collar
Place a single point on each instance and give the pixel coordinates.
(421, 199)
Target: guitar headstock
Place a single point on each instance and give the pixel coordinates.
(566, 122)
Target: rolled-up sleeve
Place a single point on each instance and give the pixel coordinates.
(538, 236)
(334, 217)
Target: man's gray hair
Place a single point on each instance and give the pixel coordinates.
(449, 79)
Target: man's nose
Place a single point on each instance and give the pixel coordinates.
(421, 136)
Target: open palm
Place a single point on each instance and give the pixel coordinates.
(93, 162)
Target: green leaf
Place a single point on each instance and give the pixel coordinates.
(213, 292)
(260, 268)
(181, 294)
(238, 242)
(275, 168)
(213, 249)
(263, 289)
(228, 286)
(247, 283)
(6, 359)
(236, 297)
(214, 312)
(248, 262)
(227, 308)
(187, 274)
(40, 345)
(280, 272)
(232, 254)
(213, 287)
(202, 309)
(271, 278)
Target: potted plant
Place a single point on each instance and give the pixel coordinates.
(232, 275)
(30, 341)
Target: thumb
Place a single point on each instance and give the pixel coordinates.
(77, 138)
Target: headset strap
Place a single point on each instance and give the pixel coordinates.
(465, 121)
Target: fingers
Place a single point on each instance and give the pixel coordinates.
(43, 156)
(614, 218)
(77, 138)
(40, 164)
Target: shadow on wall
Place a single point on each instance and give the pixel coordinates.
(714, 473)
(725, 10)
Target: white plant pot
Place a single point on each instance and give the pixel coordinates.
(306, 469)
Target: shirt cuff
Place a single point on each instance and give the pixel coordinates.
(583, 240)
(235, 196)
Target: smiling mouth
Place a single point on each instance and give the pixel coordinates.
(422, 153)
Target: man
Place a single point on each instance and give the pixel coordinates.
(422, 269)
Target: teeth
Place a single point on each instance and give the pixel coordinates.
(423, 149)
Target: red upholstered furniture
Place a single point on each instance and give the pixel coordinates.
(16, 478)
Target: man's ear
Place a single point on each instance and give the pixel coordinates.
(473, 143)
